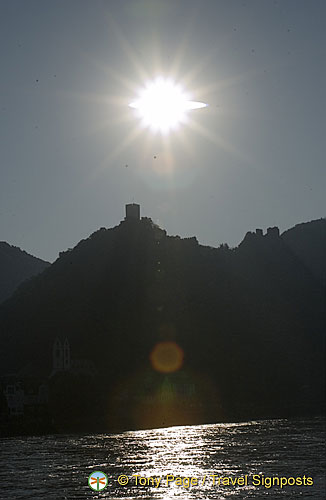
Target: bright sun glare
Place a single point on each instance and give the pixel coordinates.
(162, 105)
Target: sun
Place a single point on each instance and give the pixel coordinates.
(163, 105)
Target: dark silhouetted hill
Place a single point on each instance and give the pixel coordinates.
(308, 242)
(15, 267)
(249, 321)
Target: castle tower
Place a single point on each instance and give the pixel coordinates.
(66, 355)
(273, 232)
(57, 356)
(132, 211)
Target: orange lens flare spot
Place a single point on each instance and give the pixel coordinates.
(166, 357)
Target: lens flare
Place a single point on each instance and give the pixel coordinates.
(166, 357)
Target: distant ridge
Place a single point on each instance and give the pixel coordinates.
(16, 266)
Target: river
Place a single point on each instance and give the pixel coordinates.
(189, 462)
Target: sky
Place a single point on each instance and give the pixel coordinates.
(73, 153)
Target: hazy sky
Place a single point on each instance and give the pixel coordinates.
(255, 157)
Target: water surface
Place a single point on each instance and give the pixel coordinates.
(58, 467)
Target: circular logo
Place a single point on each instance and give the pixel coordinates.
(97, 480)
